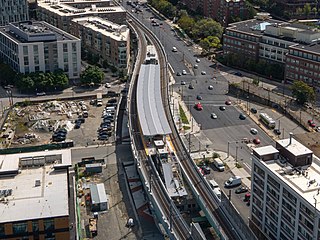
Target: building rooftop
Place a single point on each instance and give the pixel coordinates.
(105, 27)
(253, 26)
(34, 31)
(41, 188)
(305, 183)
(266, 150)
(72, 8)
(313, 47)
(295, 147)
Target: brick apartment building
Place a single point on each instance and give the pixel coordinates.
(295, 46)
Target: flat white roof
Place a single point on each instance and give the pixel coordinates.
(298, 182)
(64, 9)
(265, 150)
(153, 119)
(295, 147)
(48, 199)
(105, 27)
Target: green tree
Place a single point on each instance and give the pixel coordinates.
(207, 27)
(60, 80)
(302, 92)
(91, 75)
(299, 11)
(210, 42)
(186, 23)
(314, 11)
(307, 9)
(25, 84)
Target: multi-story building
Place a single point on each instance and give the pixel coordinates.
(60, 13)
(285, 197)
(221, 10)
(34, 195)
(33, 46)
(293, 45)
(110, 41)
(13, 11)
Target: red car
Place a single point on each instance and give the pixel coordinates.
(311, 123)
(228, 102)
(256, 141)
(198, 106)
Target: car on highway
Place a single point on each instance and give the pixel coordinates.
(210, 87)
(178, 74)
(256, 141)
(277, 131)
(311, 123)
(199, 97)
(241, 189)
(198, 106)
(222, 108)
(184, 72)
(40, 93)
(191, 86)
(242, 116)
(203, 73)
(197, 60)
(227, 102)
(239, 74)
(254, 131)
(214, 116)
(183, 83)
(254, 110)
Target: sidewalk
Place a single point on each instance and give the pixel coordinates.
(230, 163)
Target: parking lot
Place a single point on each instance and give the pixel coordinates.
(30, 124)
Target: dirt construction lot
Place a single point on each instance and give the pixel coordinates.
(42, 123)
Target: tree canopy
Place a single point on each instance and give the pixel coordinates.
(91, 75)
(40, 81)
(210, 42)
(165, 7)
(302, 92)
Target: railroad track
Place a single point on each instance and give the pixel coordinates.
(177, 225)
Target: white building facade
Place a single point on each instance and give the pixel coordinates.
(13, 11)
(38, 46)
(285, 198)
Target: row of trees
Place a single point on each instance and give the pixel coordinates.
(271, 70)
(40, 81)
(164, 7)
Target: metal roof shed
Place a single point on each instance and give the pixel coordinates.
(99, 201)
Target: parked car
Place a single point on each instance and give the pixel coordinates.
(178, 73)
(218, 164)
(199, 97)
(191, 86)
(183, 83)
(203, 73)
(241, 189)
(210, 87)
(206, 169)
(277, 131)
(112, 100)
(253, 110)
(197, 60)
(222, 108)
(311, 123)
(227, 102)
(233, 182)
(184, 72)
(40, 93)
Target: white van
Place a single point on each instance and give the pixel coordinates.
(217, 193)
(218, 164)
(213, 184)
(233, 182)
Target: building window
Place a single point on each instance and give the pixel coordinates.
(25, 50)
(65, 47)
(2, 230)
(48, 224)
(35, 226)
(19, 228)
(35, 50)
(26, 61)
(74, 47)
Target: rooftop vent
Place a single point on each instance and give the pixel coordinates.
(37, 183)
